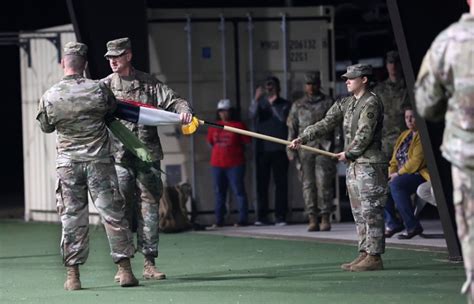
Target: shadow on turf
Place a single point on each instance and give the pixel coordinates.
(259, 273)
(28, 256)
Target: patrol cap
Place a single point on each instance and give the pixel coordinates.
(357, 70)
(224, 104)
(75, 48)
(312, 77)
(118, 46)
(392, 57)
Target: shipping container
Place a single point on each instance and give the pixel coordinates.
(209, 54)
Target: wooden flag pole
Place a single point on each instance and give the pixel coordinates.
(266, 137)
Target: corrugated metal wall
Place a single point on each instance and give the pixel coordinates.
(38, 73)
(310, 47)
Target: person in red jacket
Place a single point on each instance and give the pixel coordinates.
(228, 163)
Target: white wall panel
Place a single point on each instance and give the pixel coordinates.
(39, 149)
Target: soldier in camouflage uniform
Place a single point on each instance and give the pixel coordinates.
(362, 117)
(76, 108)
(393, 94)
(445, 89)
(141, 185)
(317, 171)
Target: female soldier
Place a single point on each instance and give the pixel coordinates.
(366, 177)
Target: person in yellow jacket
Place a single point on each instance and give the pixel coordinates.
(406, 172)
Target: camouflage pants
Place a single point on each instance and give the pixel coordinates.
(141, 186)
(463, 196)
(73, 185)
(318, 176)
(367, 187)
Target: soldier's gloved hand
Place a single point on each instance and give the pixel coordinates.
(295, 143)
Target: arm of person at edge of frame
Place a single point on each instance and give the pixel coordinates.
(431, 94)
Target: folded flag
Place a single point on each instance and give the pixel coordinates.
(129, 140)
(148, 115)
(144, 114)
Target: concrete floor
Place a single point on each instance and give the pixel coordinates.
(432, 239)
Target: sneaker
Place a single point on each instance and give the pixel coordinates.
(240, 224)
(280, 224)
(262, 223)
(215, 226)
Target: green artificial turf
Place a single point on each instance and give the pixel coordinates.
(217, 269)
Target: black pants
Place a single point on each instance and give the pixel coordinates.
(275, 163)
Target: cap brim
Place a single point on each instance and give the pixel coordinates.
(114, 53)
(349, 76)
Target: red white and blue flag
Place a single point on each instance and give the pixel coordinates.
(145, 114)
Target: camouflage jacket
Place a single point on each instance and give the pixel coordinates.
(145, 88)
(445, 84)
(305, 112)
(362, 134)
(76, 108)
(394, 97)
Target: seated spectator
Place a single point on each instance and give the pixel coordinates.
(228, 163)
(406, 172)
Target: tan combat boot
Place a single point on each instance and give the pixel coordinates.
(150, 272)
(126, 277)
(72, 280)
(347, 266)
(370, 263)
(325, 223)
(313, 223)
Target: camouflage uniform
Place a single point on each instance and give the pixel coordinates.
(394, 97)
(317, 171)
(76, 108)
(366, 175)
(141, 185)
(445, 85)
